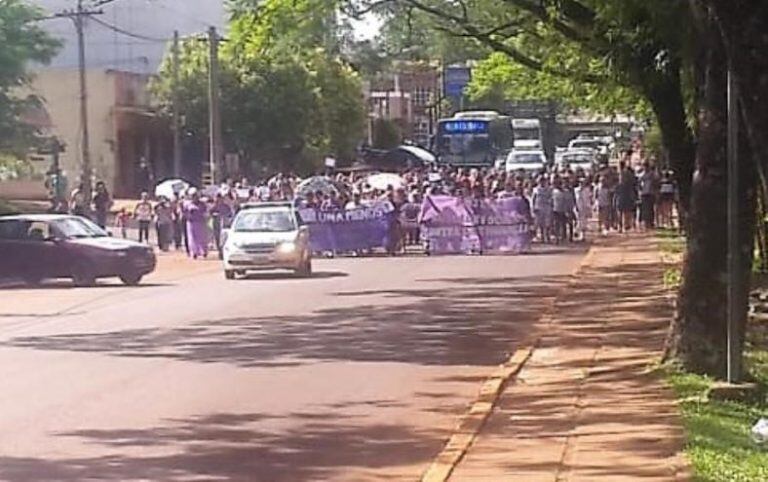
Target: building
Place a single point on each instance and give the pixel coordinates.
(124, 130)
(411, 94)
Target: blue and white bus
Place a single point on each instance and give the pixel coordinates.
(476, 139)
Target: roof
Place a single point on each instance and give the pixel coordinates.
(419, 153)
(36, 217)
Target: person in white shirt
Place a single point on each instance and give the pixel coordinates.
(604, 199)
(584, 197)
(143, 214)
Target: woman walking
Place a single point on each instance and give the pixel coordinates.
(196, 213)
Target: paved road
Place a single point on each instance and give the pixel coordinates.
(357, 374)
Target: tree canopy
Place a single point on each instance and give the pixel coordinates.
(23, 42)
(288, 97)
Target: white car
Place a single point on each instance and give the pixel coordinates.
(528, 161)
(265, 237)
(584, 159)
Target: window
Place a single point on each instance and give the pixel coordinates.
(13, 229)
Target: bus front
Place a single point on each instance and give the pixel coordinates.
(465, 142)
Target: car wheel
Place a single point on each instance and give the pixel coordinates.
(131, 279)
(83, 277)
(229, 274)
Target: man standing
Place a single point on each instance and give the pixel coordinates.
(648, 183)
(143, 214)
(542, 208)
(102, 201)
(164, 224)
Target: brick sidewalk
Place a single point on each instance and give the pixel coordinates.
(585, 407)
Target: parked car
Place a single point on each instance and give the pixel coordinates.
(47, 246)
(265, 237)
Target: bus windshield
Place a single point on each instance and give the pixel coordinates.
(472, 141)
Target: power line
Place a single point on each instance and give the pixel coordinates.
(119, 30)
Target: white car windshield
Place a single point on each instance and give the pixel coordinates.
(577, 158)
(78, 228)
(526, 159)
(259, 221)
(585, 145)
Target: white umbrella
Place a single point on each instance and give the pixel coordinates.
(171, 187)
(384, 180)
(316, 183)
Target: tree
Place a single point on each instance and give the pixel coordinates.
(386, 134)
(637, 44)
(288, 99)
(497, 80)
(674, 55)
(23, 42)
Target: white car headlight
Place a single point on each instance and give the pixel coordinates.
(287, 247)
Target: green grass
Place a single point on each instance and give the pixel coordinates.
(719, 445)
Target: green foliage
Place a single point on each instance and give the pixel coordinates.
(23, 42)
(386, 134)
(287, 98)
(497, 79)
(11, 167)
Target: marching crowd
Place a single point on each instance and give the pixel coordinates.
(559, 203)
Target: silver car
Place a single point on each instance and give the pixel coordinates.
(265, 237)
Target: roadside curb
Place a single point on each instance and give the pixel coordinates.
(472, 422)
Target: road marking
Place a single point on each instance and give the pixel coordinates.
(472, 422)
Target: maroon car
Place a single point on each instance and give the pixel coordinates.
(37, 247)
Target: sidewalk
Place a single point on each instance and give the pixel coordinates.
(585, 407)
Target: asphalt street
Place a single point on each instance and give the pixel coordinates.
(359, 373)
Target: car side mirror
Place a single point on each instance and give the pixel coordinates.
(223, 236)
(109, 233)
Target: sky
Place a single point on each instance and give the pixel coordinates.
(156, 19)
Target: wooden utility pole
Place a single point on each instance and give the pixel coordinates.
(176, 117)
(214, 119)
(78, 17)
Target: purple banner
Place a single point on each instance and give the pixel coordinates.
(345, 230)
(453, 225)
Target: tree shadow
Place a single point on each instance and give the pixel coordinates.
(472, 321)
(232, 447)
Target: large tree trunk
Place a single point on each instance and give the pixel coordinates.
(698, 334)
(666, 98)
(744, 26)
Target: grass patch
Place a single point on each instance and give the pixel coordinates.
(718, 444)
(718, 441)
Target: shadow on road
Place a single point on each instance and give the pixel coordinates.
(67, 285)
(287, 275)
(232, 447)
(471, 321)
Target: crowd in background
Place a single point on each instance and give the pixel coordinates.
(560, 203)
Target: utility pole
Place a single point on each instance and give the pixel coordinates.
(734, 259)
(176, 116)
(78, 16)
(214, 124)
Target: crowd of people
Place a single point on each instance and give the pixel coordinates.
(559, 203)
